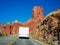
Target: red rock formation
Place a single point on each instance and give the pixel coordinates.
(7, 29)
(49, 28)
(2, 27)
(37, 17)
(15, 27)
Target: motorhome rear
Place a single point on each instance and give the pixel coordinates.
(23, 32)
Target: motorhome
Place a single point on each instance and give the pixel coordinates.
(24, 32)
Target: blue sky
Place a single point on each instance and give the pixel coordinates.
(21, 10)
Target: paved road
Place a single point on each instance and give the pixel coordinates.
(27, 42)
(6, 40)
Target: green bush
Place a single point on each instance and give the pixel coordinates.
(50, 42)
(3, 34)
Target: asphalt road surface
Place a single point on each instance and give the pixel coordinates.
(7, 39)
(27, 42)
(19, 41)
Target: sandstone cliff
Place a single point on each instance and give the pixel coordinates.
(37, 17)
(49, 28)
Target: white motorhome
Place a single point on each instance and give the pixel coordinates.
(23, 32)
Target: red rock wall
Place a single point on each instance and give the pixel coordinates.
(7, 29)
(37, 17)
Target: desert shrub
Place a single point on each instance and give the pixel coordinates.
(3, 34)
(50, 42)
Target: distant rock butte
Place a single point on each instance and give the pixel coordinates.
(37, 17)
